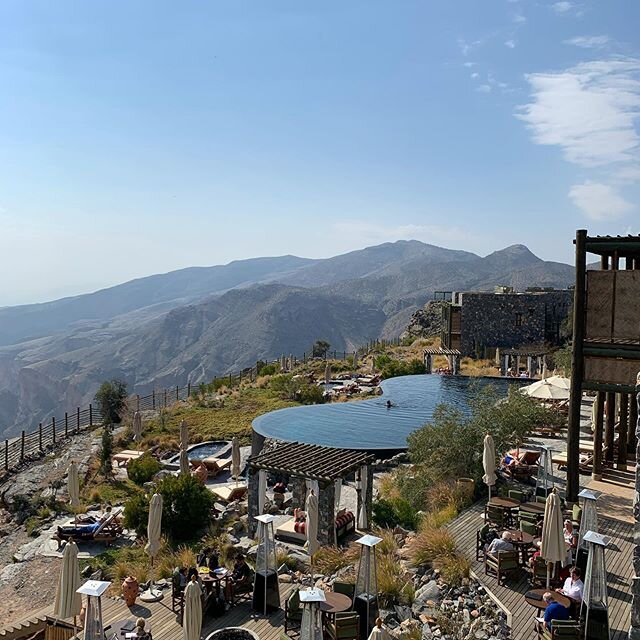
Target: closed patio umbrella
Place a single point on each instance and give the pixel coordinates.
(184, 446)
(137, 427)
(489, 462)
(311, 508)
(192, 620)
(235, 458)
(552, 547)
(355, 359)
(68, 602)
(327, 373)
(73, 486)
(154, 530)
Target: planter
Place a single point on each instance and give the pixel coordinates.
(130, 590)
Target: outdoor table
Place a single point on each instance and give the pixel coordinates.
(335, 603)
(534, 598)
(506, 504)
(521, 541)
(214, 578)
(532, 507)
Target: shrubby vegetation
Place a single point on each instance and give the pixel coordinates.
(391, 368)
(111, 400)
(298, 388)
(143, 469)
(186, 506)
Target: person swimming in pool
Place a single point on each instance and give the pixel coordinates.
(390, 404)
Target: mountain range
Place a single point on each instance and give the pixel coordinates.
(204, 321)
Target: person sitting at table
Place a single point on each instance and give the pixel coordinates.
(554, 610)
(573, 586)
(182, 577)
(569, 534)
(240, 578)
(502, 543)
(201, 558)
(140, 630)
(214, 561)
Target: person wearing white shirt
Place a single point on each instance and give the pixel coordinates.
(573, 586)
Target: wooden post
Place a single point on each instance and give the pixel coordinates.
(6, 455)
(577, 369)
(66, 424)
(624, 428)
(177, 393)
(53, 429)
(90, 415)
(77, 419)
(165, 398)
(597, 437)
(22, 446)
(633, 421)
(138, 402)
(40, 436)
(188, 389)
(609, 429)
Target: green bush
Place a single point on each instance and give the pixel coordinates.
(393, 512)
(390, 368)
(296, 388)
(111, 398)
(142, 469)
(265, 369)
(186, 506)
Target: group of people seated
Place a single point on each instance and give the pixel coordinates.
(573, 588)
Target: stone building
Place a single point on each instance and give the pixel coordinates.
(477, 322)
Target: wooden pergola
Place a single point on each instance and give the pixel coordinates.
(299, 462)
(453, 358)
(606, 350)
(535, 359)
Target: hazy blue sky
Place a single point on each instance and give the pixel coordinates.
(140, 137)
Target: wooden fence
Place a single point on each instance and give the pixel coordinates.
(31, 446)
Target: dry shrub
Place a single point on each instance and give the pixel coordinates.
(328, 560)
(431, 545)
(389, 545)
(388, 487)
(437, 519)
(392, 585)
(454, 569)
(123, 568)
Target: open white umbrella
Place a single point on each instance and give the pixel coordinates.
(137, 427)
(184, 446)
(154, 530)
(544, 390)
(559, 381)
(235, 458)
(73, 486)
(192, 617)
(311, 509)
(68, 602)
(489, 462)
(552, 547)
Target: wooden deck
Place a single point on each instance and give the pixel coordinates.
(510, 597)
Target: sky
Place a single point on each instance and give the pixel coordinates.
(142, 137)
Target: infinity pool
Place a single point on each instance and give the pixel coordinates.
(368, 424)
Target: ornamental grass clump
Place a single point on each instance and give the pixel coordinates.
(328, 560)
(431, 545)
(453, 569)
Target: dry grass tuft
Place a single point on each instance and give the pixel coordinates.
(431, 545)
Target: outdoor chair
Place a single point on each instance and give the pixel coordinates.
(177, 594)
(292, 612)
(514, 494)
(345, 588)
(107, 531)
(576, 515)
(495, 516)
(565, 629)
(503, 564)
(345, 626)
(528, 527)
(243, 590)
(526, 516)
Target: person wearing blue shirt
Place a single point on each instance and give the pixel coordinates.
(554, 610)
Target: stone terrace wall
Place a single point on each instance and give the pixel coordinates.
(510, 320)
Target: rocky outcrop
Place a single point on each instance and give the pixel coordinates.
(426, 322)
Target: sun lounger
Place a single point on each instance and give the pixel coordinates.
(106, 531)
(230, 494)
(125, 456)
(214, 465)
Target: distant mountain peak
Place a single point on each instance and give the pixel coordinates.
(516, 253)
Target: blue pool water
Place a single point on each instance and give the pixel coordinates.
(368, 424)
(200, 451)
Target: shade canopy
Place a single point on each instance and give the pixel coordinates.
(192, 620)
(73, 485)
(154, 526)
(489, 461)
(544, 390)
(68, 601)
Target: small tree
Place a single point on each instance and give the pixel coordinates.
(110, 398)
(320, 348)
(106, 451)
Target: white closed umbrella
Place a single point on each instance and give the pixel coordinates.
(235, 458)
(192, 618)
(489, 462)
(137, 427)
(262, 490)
(363, 520)
(73, 486)
(68, 602)
(327, 373)
(311, 509)
(154, 531)
(355, 359)
(552, 547)
(184, 446)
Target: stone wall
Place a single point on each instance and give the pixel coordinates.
(511, 320)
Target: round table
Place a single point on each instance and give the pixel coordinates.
(521, 541)
(335, 603)
(534, 598)
(214, 578)
(505, 503)
(532, 507)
